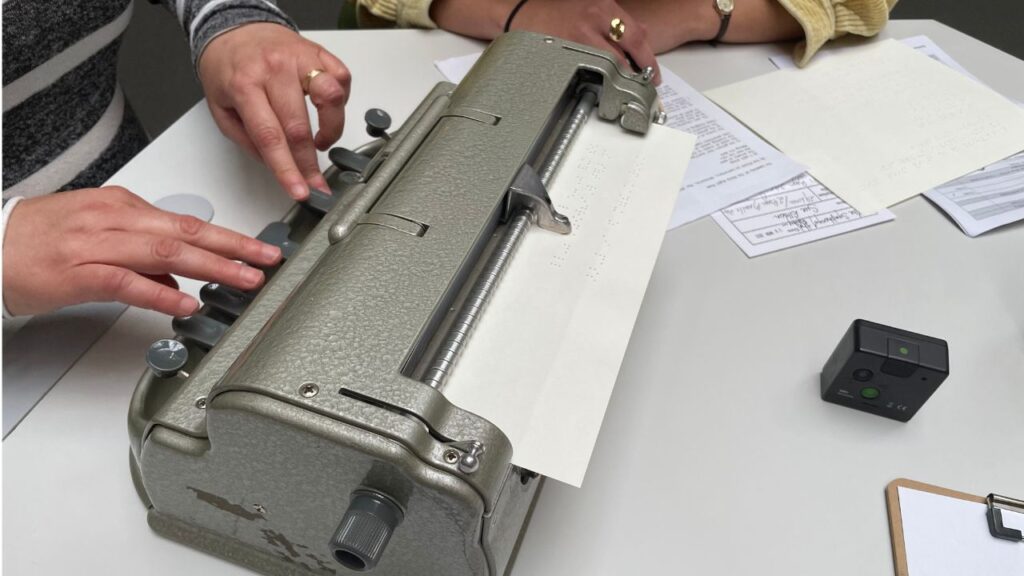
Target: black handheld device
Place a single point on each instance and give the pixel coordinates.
(884, 370)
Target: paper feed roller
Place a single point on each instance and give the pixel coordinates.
(303, 429)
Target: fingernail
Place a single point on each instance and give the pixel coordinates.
(188, 306)
(271, 254)
(299, 191)
(251, 276)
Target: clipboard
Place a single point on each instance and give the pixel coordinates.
(995, 504)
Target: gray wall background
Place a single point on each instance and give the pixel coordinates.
(159, 81)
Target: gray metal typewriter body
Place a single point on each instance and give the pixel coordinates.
(303, 429)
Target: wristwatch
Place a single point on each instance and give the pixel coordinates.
(724, 9)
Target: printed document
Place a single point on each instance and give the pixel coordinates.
(879, 124)
(730, 163)
(544, 358)
(798, 212)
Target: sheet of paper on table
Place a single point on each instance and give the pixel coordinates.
(730, 163)
(797, 212)
(878, 124)
(982, 200)
(542, 363)
(946, 536)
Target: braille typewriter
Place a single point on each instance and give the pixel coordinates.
(304, 429)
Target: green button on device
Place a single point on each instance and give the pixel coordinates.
(870, 392)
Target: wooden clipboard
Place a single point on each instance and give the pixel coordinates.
(892, 502)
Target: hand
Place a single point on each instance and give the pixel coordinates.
(252, 77)
(102, 244)
(588, 22)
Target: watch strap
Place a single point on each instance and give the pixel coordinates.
(722, 28)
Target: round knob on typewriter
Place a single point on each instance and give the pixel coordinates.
(377, 123)
(166, 357)
(364, 531)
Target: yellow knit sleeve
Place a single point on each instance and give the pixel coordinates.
(824, 20)
(404, 13)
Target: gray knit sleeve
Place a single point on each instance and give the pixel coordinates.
(204, 20)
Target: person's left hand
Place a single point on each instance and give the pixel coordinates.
(253, 79)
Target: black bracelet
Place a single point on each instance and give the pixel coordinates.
(512, 14)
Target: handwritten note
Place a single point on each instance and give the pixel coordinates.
(797, 212)
(879, 124)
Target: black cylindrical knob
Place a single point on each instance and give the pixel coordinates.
(359, 542)
(377, 122)
(166, 357)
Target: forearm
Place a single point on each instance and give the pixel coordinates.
(671, 23)
(204, 20)
(484, 19)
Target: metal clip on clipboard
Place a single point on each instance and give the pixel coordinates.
(996, 504)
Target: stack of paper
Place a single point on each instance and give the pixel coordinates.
(980, 201)
(879, 124)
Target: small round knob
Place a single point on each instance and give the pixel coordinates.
(377, 123)
(166, 357)
(363, 534)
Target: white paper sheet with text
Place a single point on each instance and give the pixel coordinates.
(982, 200)
(945, 536)
(878, 124)
(797, 212)
(542, 363)
(730, 163)
(986, 199)
(922, 44)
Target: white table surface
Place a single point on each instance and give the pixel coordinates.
(717, 455)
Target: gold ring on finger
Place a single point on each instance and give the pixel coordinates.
(617, 29)
(308, 79)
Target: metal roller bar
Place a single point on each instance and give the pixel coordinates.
(519, 223)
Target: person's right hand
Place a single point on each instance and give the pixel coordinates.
(589, 22)
(103, 244)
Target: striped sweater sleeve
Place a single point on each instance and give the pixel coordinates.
(404, 13)
(204, 20)
(824, 20)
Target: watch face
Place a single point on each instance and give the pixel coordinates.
(724, 6)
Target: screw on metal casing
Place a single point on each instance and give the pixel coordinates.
(201, 402)
(308, 390)
(451, 456)
(470, 460)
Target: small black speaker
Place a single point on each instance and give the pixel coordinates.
(884, 370)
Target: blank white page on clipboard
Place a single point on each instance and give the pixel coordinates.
(946, 536)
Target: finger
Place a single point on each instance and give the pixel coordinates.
(289, 103)
(165, 279)
(264, 129)
(192, 230)
(104, 283)
(151, 254)
(329, 97)
(337, 69)
(231, 125)
(608, 44)
(634, 43)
